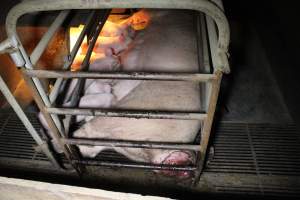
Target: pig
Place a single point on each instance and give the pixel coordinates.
(116, 44)
(100, 62)
(146, 130)
(138, 21)
(143, 55)
(134, 55)
(111, 29)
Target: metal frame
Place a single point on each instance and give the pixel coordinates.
(218, 34)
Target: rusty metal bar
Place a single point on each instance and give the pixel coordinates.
(122, 75)
(135, 165)
(130, 144)
(55, 90)
(206, 129)
(127, 114)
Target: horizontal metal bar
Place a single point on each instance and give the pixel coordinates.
(135, 165)
(130, 144)
(39, 49)
(128, 114)
(205, 6)
(122, 75)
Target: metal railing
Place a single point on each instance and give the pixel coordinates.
(218, 46)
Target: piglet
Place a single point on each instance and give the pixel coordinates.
(111, 29)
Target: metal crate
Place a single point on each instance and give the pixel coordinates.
(212, 20)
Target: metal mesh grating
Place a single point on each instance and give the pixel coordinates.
(269, 149)
(264, 158)
(15, 141)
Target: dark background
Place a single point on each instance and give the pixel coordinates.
(276, 23)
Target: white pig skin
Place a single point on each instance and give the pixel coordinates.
(129, 54)
(137, 129)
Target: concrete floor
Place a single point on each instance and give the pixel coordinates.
(250, 93)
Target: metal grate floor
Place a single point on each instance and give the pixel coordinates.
(265, 149)
(248, 158)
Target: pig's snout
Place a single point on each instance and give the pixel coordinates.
(178, 158)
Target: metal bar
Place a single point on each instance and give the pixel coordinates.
(205, 6)
(55, 90)
(22, 116)
(209, 8)
(213, 40)
(219, 3)
(131, 144)
(41, 46)
(135, 165)
(122, 75)
(37, 84)
(69, 152)
(100, 21)
(203, 57)
(204, 43)
(205, 132)
(7, 46)
(220, 62)
(36, 55)
(128, 114)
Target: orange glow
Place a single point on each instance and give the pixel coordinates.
(111, 33)
(74, 34)
(140, 20)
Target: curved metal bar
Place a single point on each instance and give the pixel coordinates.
(204, 6)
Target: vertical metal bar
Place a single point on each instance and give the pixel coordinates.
(213, 41)
(205, 49)
(55, 90)
(86, 60)
(36, 54)
(85, 64)
(22, 116)
(213, 37)
(40, 48)
(205, 132)
(203, 58)
(68, 150)
(207, 65)
(37, 84)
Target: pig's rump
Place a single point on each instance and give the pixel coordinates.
(168, 44)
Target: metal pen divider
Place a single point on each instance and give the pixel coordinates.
(220, 65)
